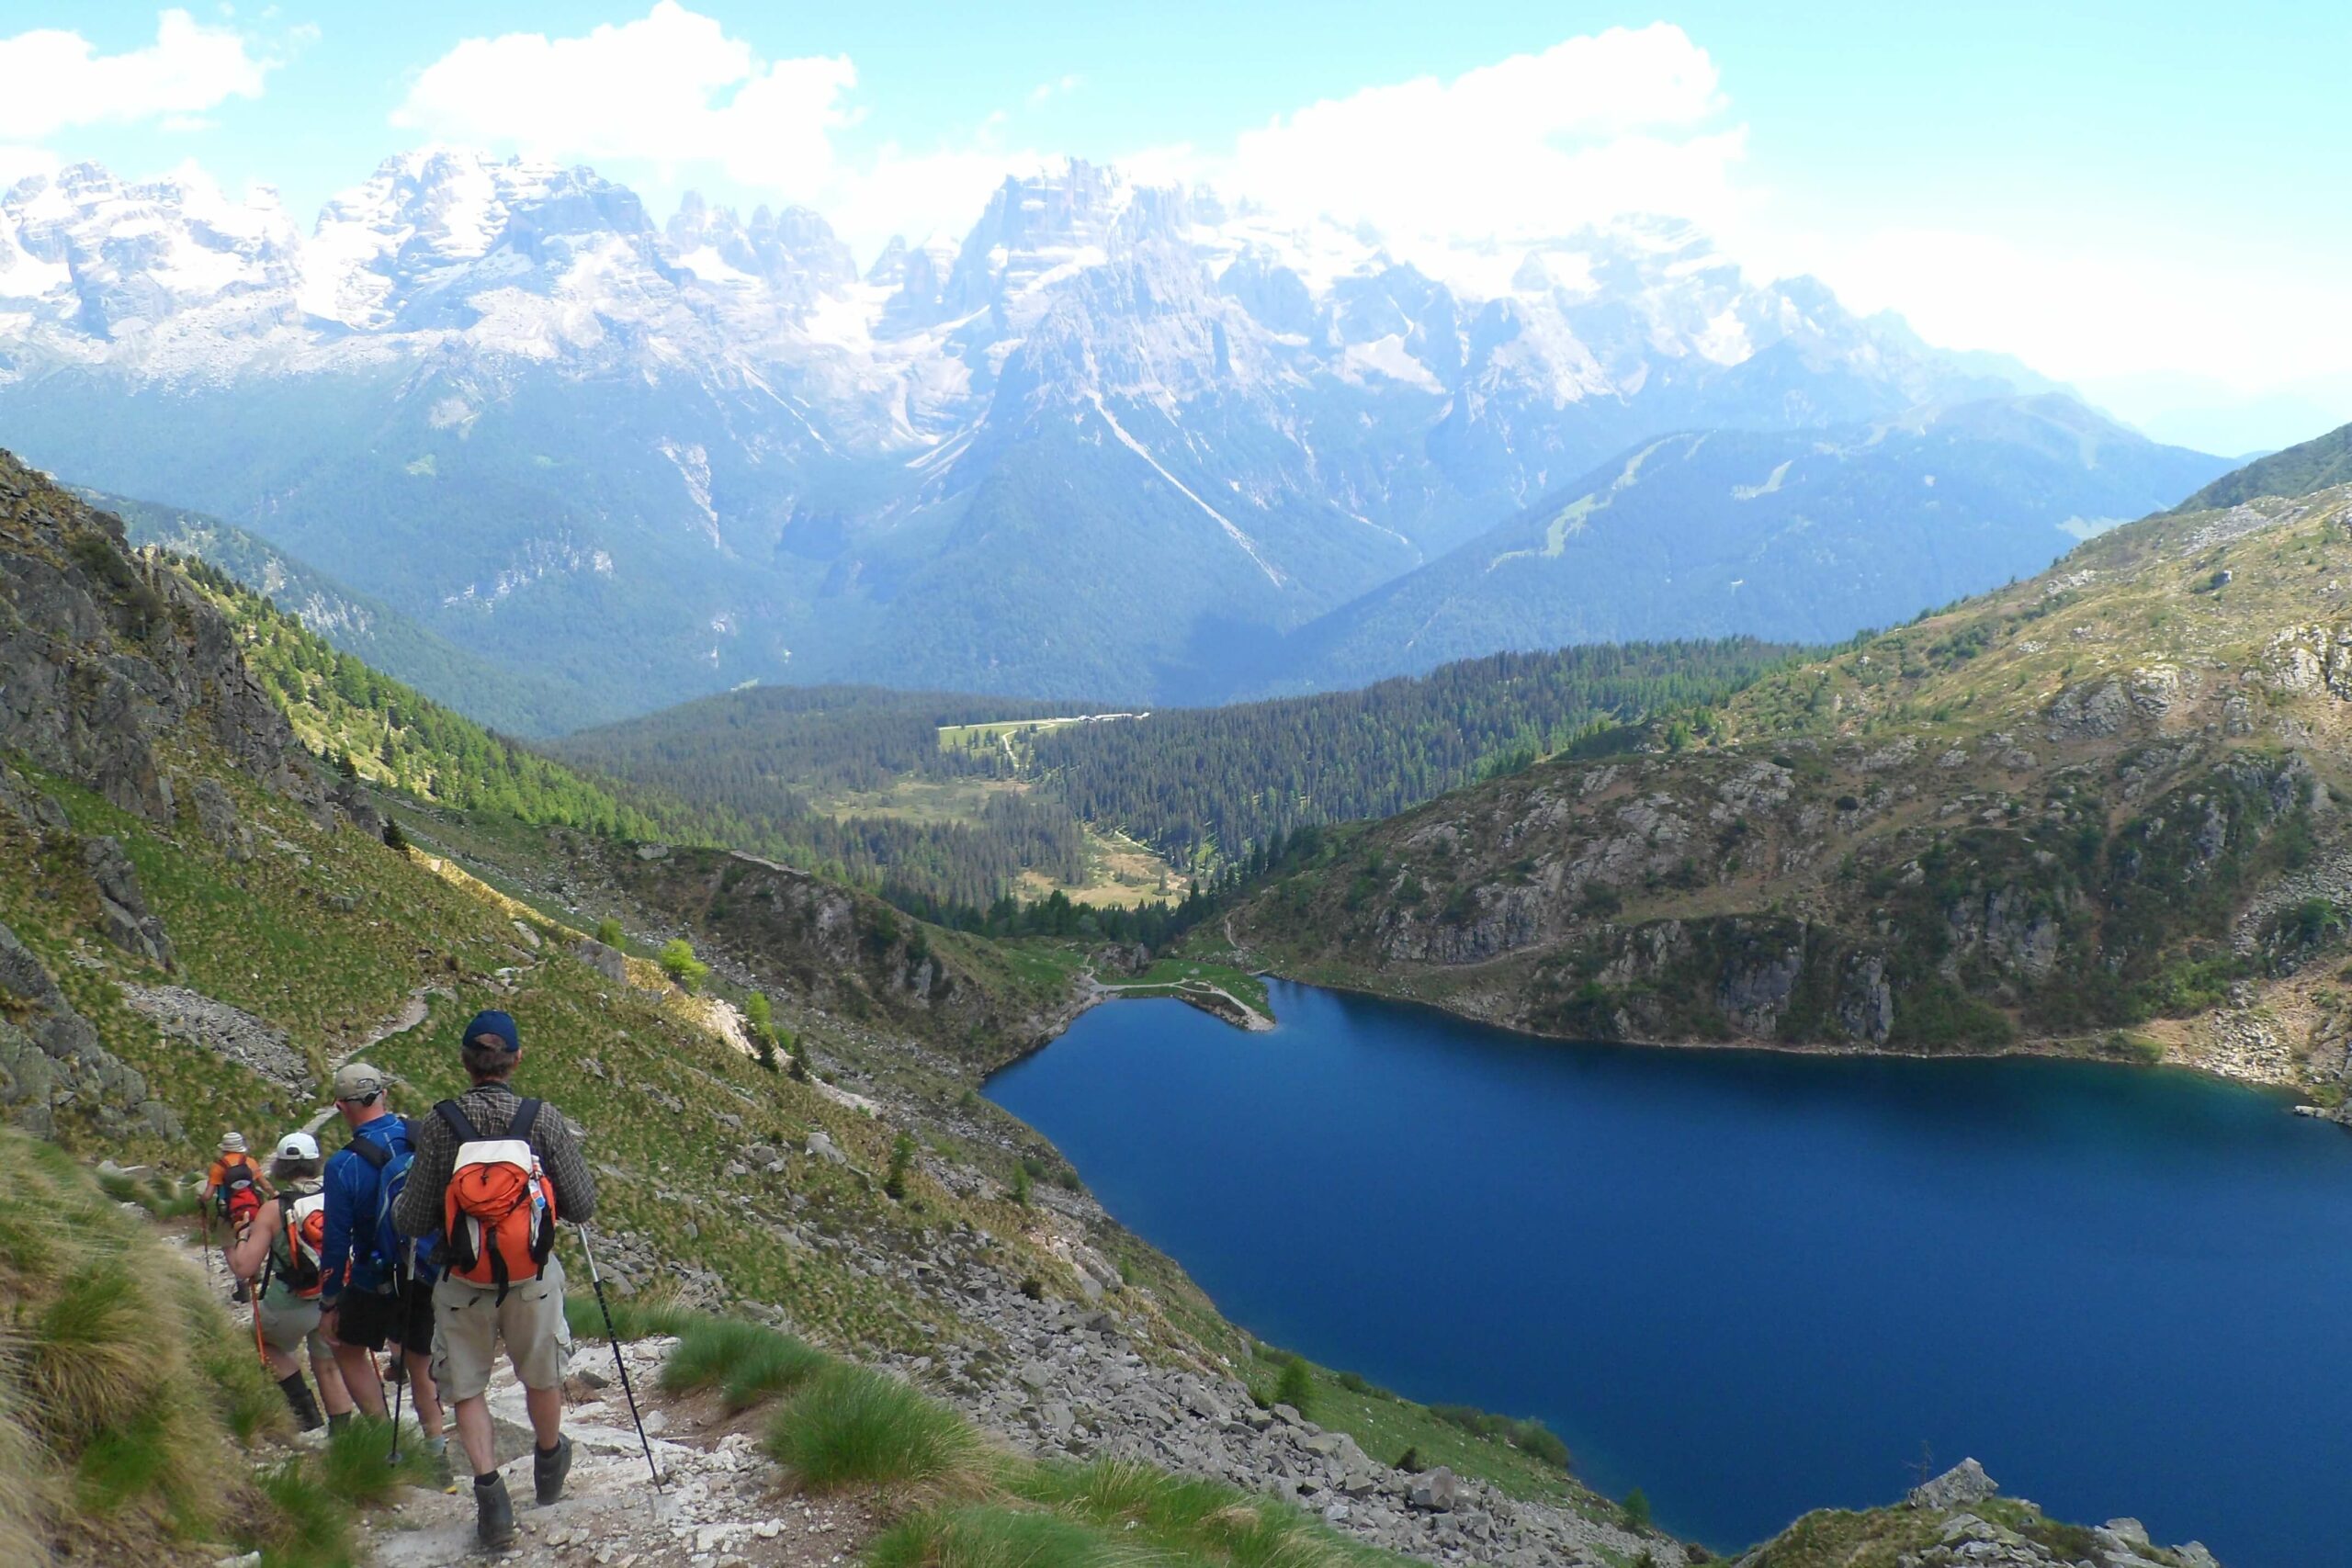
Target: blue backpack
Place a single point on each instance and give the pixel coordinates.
(390, 1160)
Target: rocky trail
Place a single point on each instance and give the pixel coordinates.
(722, 1504)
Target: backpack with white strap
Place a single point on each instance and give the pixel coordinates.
(296, 1254)
(498, 1215)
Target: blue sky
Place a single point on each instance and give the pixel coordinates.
(2154, 201)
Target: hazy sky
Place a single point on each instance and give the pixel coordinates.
(2152, 201)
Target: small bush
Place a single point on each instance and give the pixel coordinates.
(856, 1427)
(1636, 1510)
(608, 931)
(902, 1158)
(1294, 1386)
(747, 1363)
(679, 962)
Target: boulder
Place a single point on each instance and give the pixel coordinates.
(609, 961)
(123, 914)
(1435, 1491)
(1963, 1484)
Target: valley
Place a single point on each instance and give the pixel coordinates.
(188, 841)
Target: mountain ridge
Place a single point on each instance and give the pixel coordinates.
(1114, 433)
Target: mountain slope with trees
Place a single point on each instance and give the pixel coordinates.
(1803, 536)
(2100, 810)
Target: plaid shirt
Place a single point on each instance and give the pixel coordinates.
(491, 1107)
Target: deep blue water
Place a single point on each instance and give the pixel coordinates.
(1753, 1283)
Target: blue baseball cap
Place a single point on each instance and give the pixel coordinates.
(495, 1026)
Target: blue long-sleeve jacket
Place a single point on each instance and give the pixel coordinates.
(350, 1188)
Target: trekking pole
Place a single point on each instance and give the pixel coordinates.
(400, 1351)
(618, 1360)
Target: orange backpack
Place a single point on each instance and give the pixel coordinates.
(238, 1192)
(499, 1212)
(297, 1253)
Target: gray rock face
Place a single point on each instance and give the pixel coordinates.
(51, 1061)
(2088, 712)
(609, 961)
(1963, 1484)
(101, 654)
(37, 812)
(217, 819)
(122, 907)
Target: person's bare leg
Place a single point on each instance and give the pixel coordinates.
(360, 1377)
(545, 1405)
(422, 1391)
(333, 1398)
(475, 1435)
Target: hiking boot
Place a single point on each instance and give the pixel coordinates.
(299, 1399)
(549, 1467)
(241, 1294)
(444, 1478)
(494, 1522)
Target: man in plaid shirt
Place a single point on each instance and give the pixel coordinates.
(468, 1319)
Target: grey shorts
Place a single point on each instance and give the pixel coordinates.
(294, 1327)
(468, 1321)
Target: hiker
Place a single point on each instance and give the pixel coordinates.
(493, 1173)
(235, 1187)
(370, 1299)
(280, 1248)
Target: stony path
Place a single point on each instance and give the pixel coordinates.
(723, 1503)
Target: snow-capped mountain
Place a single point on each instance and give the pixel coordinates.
(1106, 442)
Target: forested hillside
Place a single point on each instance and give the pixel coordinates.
(358, 623)
(2100, 811)
(1201, 786)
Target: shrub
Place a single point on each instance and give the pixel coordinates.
(1294, 1386)
(608, 931)
(747, 1363)
(1636, 1510)
(856, 1427)
(678, 961)
(1021, 1185)
(903, 1157)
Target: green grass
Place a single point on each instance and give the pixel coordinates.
(746, 1362)
(634, 1317)
(853, 1427)
(357, 1464)
(1176, 973)
(1114, 1514)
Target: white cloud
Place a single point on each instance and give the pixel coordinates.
(670, 89)
(1044, 90)
(57, 80)
(1533, 145)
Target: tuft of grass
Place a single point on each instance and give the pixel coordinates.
(854, 1427)
(307, 1524)
(356, 1465)
(747, 1363)
(993, 1536)
(639, 1317)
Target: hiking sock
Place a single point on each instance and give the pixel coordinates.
(494, 1511)
(297, 1396)
(337, 1423)
(549, 1467)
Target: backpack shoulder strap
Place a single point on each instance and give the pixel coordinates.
(449, 1110)
(375, 1154)
(525, 1114)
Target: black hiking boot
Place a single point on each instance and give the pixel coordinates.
(495, 1522)
(549, 1467)
(298, 1397)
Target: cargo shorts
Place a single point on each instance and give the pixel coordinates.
(469, 1320)
(294, 1327)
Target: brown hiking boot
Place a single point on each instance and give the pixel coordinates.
(495, 1522)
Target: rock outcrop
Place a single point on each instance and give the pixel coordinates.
(51, 1065)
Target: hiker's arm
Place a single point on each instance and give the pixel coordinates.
(417, 1211)
(575, 1184)
(246, 1254)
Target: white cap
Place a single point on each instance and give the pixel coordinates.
(298, 1145)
